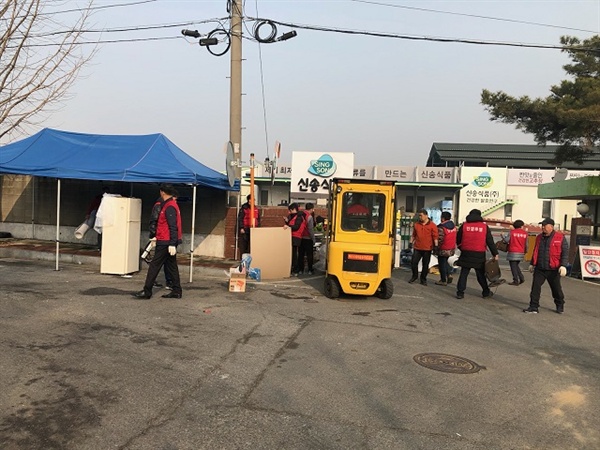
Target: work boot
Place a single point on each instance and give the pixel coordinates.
(142, 295)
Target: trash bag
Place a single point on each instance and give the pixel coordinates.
(244, 266)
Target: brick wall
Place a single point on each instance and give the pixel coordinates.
(270, 216)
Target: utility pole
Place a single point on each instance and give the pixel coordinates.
(235, 91)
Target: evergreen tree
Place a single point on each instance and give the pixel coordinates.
(570, 116)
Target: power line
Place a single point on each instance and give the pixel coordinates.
(135, 28)
(262, 85)
(220, 21)
(415, 38)
(93, 8)
(499, 19)
(113, 41)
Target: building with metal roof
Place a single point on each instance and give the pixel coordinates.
(518, 156)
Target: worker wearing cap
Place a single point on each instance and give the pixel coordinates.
(548, 263)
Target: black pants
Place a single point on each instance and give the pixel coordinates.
(161, 256)
(295, 253)
(553, 278)
(244, 242)
(481, 279)
(306, 249)
(516, 272)
(417, 255)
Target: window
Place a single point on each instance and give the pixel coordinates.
(363, 211)
(420, 202)
(546, 208)
(410, 204)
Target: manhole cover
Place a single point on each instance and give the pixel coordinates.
(446, 363)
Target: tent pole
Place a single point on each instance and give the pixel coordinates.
(33, 207)
(192, 236)
(57, 221)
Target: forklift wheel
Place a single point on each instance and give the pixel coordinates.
(386, 289)
(332, 288)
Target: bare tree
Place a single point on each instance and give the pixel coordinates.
(40, 58)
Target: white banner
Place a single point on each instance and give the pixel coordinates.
(313, 171)
(529, 177)
(395, 173)
(364, 172)
(485, 189)
(436, 174)
(282, 170)
(582, 173)
(589, 257)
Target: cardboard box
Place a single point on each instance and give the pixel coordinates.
(237, 280)
(274, 265)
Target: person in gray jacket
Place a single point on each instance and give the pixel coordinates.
(517, 248)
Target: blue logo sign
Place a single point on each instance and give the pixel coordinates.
(484, 181)
(322, 167)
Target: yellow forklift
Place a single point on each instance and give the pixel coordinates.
(360, 238)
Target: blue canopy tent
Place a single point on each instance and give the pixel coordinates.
(145, 158)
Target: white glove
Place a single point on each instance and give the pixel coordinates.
(531, 268)
(172, 250)
(562, 271)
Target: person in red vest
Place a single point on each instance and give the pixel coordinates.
(244, 225)
(308, 240)
(548, 263)
(424, 240)
(154, 215)
(472, 239)
(168, 237)
(296, 222)
(447, 244)
(517, 248)
(357, 208)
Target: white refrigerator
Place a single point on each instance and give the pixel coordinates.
(121, 228)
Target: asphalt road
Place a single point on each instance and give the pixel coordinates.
(86, 366)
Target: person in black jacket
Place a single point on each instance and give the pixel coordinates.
(244, 223)
(152, 236)
(548, 263)
(296, 222)
(472, 239)
(168, 237)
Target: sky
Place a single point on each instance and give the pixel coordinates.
(386, 100)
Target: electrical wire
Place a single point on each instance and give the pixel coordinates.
(135, 28)
(416, 38)
(94, 8)
(499, 19)
(262, 86)
(287, 24)
(217, 20)
(113, 41)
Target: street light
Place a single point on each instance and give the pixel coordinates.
(205, 42)
(286, 36)
(191, 33)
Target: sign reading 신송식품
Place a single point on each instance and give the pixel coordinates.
(312, 171)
